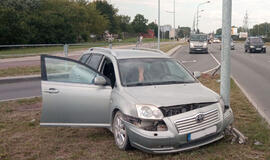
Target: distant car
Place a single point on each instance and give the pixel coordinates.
(198, 43)
(216, 40)
(232, 45)
(255, 44)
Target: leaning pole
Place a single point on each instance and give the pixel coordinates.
(226, 52)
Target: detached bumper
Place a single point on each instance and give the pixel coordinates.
(171, 141)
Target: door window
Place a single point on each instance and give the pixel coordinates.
(65, 70)
(84, 58)
(94, 61)
(108, 70)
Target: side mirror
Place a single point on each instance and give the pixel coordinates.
(197, 74)
(100, 81)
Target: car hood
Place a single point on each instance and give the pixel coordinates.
(170, 95)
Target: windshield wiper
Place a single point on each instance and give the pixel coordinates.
(140, 84)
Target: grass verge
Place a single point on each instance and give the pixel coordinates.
(20, 71)
(32, 70)
(22, 138)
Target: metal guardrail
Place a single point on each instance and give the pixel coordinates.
(66, 47)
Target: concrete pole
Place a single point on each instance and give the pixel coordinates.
(226, 52)
(174, 19)
(197, 24)
(158, 24)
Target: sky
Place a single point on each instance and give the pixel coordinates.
(211, 17)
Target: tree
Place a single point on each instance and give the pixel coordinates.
(139, 24)
(184, 32)
(219, 31)
(49, 21)
(110, 13)
(154, 27)
(124, 23)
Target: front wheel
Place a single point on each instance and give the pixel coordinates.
(120, 132)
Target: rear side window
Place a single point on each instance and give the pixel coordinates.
(94, 61)
(84, 58)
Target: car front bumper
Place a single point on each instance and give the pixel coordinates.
(198, 50)
(171, 141)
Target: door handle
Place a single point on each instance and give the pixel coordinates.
(52, 91)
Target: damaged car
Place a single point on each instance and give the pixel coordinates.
(148, 100)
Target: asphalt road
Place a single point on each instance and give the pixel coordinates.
(250, 71)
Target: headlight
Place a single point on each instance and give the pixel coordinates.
(252, 47)
(149, 112)
(264, 46)
(205, 45)
(191, 45)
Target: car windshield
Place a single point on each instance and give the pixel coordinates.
(142, 72)
(256, 40)
(198, 37)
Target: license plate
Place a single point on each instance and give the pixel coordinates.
(258, 49)
(199, 49)
(202, 133)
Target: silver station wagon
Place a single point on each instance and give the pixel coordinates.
(146, 98)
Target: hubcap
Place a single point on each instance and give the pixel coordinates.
(119, 131)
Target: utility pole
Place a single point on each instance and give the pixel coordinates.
(245, 26)
(174, 19)
(198, 7)
(158, 24)
(226, 52)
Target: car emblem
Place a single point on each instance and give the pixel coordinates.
(200, 118)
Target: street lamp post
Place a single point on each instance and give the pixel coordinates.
(198, 7)
(173, 15)
(194, 22)
(158, 24)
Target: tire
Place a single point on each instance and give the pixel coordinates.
(264, 51)
(120, 132)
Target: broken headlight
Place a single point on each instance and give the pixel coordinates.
(148, 125)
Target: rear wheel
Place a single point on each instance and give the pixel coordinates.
(120, 132)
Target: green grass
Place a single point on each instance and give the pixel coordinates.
(20, 71)
(32, 70)
(22, 138)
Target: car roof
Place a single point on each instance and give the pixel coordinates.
(133, 54)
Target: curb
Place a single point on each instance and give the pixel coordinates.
(173, 51)
(259, 110)
(6, 80)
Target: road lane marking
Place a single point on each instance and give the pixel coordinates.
(215, 68)
(193, 61)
